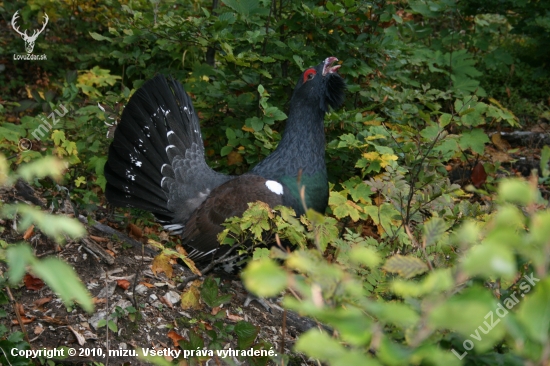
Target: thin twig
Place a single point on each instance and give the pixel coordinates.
(15, 305)
(224, 258)
(282, 351)
(107, 318)
(422, 247)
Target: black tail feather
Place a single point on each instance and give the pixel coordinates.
(156, 161)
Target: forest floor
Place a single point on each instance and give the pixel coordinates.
(120, 279)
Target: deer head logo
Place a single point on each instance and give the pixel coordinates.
(29, 40)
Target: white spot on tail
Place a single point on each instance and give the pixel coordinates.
(170, 133)
(134, 160)
(169, 147)
(274, 186)
(165, 112)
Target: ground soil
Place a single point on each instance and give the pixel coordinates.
(128, 281)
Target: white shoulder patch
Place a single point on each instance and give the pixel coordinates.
(274, 186)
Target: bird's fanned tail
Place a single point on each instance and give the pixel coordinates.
(156, 161)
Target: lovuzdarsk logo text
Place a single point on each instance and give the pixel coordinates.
(29, 40)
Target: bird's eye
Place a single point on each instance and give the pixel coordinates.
(309, 74)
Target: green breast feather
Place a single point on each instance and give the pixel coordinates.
(316, 191)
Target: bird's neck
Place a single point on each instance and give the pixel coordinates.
(304, 137)
(301, 150)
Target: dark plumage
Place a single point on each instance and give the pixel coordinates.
(156, 161)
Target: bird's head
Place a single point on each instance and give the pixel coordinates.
(321, 84)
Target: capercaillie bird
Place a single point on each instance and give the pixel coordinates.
(156, 161)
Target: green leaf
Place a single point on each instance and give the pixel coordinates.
(209, 293)
(264, 73)
(80, 180)
(9, 135)
(112, 326)
(382, 215)
(264, 278)
(433, 230)
(99, 37)
(539, 230)
(394, 313)
(431, 132)
(366, 256)
(246, 334)
(18, 256)
(468, 312)
(243, 7)
(429, 10)
(58, 137)
(445, 119)
(261, 89)
(490, 261)
(517, 191)
(62, 279)
(98, 163)
(325, 228)
(298, 61)
(436, 281)
(256, 123)
(195, 342)
(342, 207)
(534, 311)
(190, 298)
(45, 167)
(101, 181)
(275, 113)
(230, 134)
(229, 17)
(405, 266)
(226, 150)
(350, 322)
(475, 139)
(260, 253)
(473, 116)
(55, 227)
(321, 346)
(256, 219)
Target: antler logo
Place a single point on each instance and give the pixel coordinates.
(29, 40)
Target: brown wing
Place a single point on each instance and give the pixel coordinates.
(228, 200)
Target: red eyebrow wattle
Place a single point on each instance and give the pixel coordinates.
(309, 72)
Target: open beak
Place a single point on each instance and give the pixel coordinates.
(328, 67)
